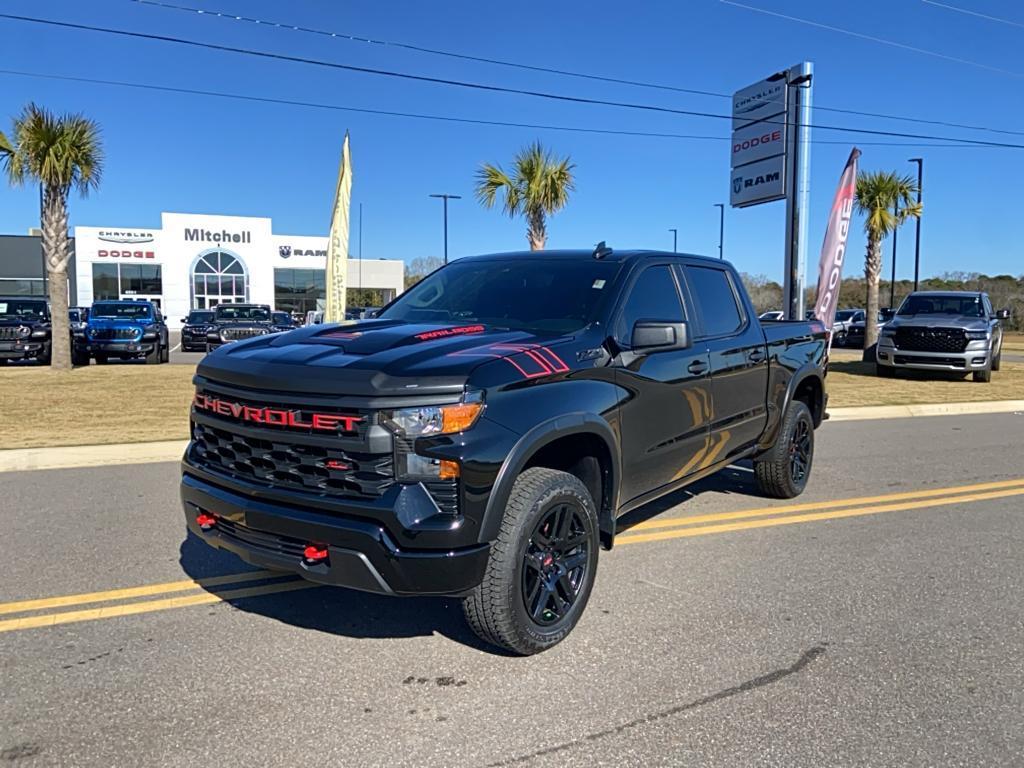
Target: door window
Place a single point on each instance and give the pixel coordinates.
(654, 296)
(715, 298)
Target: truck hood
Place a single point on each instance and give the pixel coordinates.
(379, 358)
(940, 321)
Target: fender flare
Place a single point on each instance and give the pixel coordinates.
(804, 372)
(532, 441)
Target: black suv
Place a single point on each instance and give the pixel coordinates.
(236, 322)
(483, 434)
(196, 326)
(24, 329)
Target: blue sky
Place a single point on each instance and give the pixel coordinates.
(171, 152)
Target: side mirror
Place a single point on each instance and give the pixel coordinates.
(1003, 314)
(656, 336)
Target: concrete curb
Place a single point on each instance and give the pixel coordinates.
(25, 459)
(67, 457)
(863, 413)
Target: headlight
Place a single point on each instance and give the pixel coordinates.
(977, 335)
(39, 334)
(433, 419)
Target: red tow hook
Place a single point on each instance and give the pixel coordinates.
(315, 554)
(205, 521)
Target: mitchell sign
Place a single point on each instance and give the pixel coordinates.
(196, 235)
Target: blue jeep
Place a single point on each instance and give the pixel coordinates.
(126, 329)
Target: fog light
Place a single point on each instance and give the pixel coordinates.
(205, 521)
(314, 553)
(978, 361)
(883, 355)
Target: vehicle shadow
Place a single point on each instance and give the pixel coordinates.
(345, 612)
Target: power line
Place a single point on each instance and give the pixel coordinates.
(477, 86)
(440, 118)
(969, 12)
(535, 68)
(873, 39)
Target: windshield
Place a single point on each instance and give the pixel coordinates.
(968, 306)
(195, 318)
(522, 294)
(282, 318)
(242, 312)
(845, 314)
(74, 315)
(27, 309)
(122, 311)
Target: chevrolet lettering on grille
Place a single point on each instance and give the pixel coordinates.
(277, 417)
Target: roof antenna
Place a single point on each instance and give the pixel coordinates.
(602, 250)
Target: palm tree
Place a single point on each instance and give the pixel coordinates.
(61, 153)
(538, 187)
(886, 200)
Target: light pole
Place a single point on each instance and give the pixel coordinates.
(917, 242)
(675, 240)
(721, 228)
(446, 198)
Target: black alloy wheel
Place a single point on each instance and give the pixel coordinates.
(555, 564)
(800, 451)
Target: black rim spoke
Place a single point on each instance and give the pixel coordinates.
(555, 564)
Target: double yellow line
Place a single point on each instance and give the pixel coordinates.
(145, 606)
(766, 517)
(45, 612)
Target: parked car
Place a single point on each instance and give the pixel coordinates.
(24, 329)
(126, 329)
(196, 326)
(314, 317)
(773, 315)
(481, 436)
(841, 325)
(235, 322)
(855, 328)
(956, 331)
(78, 317)
(282, 321)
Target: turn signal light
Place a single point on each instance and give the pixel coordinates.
(315, 554)
(459, 418)
(449, 470)
(205, 521)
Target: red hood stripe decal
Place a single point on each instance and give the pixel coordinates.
(442, 333)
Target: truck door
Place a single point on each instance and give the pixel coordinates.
(738, 358)
(664, 418)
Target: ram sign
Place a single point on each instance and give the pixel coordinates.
(758, 147)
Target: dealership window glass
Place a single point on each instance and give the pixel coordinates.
(105, 282)
(140, 280)
(299, 290)
(218, 277)
(16, 286)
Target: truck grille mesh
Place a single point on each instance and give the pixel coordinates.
(282, 463)
(931, 339)
(109, 334)
(237, 334)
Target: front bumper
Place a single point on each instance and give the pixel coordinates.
(362, 553)
(974, 358)
(22, 349)
(142, 347)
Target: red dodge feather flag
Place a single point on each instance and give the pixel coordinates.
(833, 250)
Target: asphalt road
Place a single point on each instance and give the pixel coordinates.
(870, 631)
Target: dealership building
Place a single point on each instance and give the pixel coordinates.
(195, 261)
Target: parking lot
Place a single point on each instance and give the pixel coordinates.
(856, 626)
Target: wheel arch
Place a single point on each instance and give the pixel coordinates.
(581, 444)
(806, 384)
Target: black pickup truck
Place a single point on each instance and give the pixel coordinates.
(483, 434)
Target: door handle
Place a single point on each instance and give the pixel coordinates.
(756, 356)
(697, 367)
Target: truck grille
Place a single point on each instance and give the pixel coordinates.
(111, 334)
(277, 461)
(931, 339)
(237, 334)
(12, 332)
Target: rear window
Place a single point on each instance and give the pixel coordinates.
(716, 300)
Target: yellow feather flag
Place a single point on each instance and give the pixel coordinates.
(337, 244)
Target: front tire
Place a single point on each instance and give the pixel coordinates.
(783, 471)
(997, 361)
(542, 565)
(165, 354)
(984, 376)
(884, 371)
(154, 356)
(102, 359)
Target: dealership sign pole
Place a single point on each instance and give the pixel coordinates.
(770, 160)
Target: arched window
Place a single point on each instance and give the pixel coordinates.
(218, 277)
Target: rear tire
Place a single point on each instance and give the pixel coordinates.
(984, 376)
(542, 565)
(782, 472)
